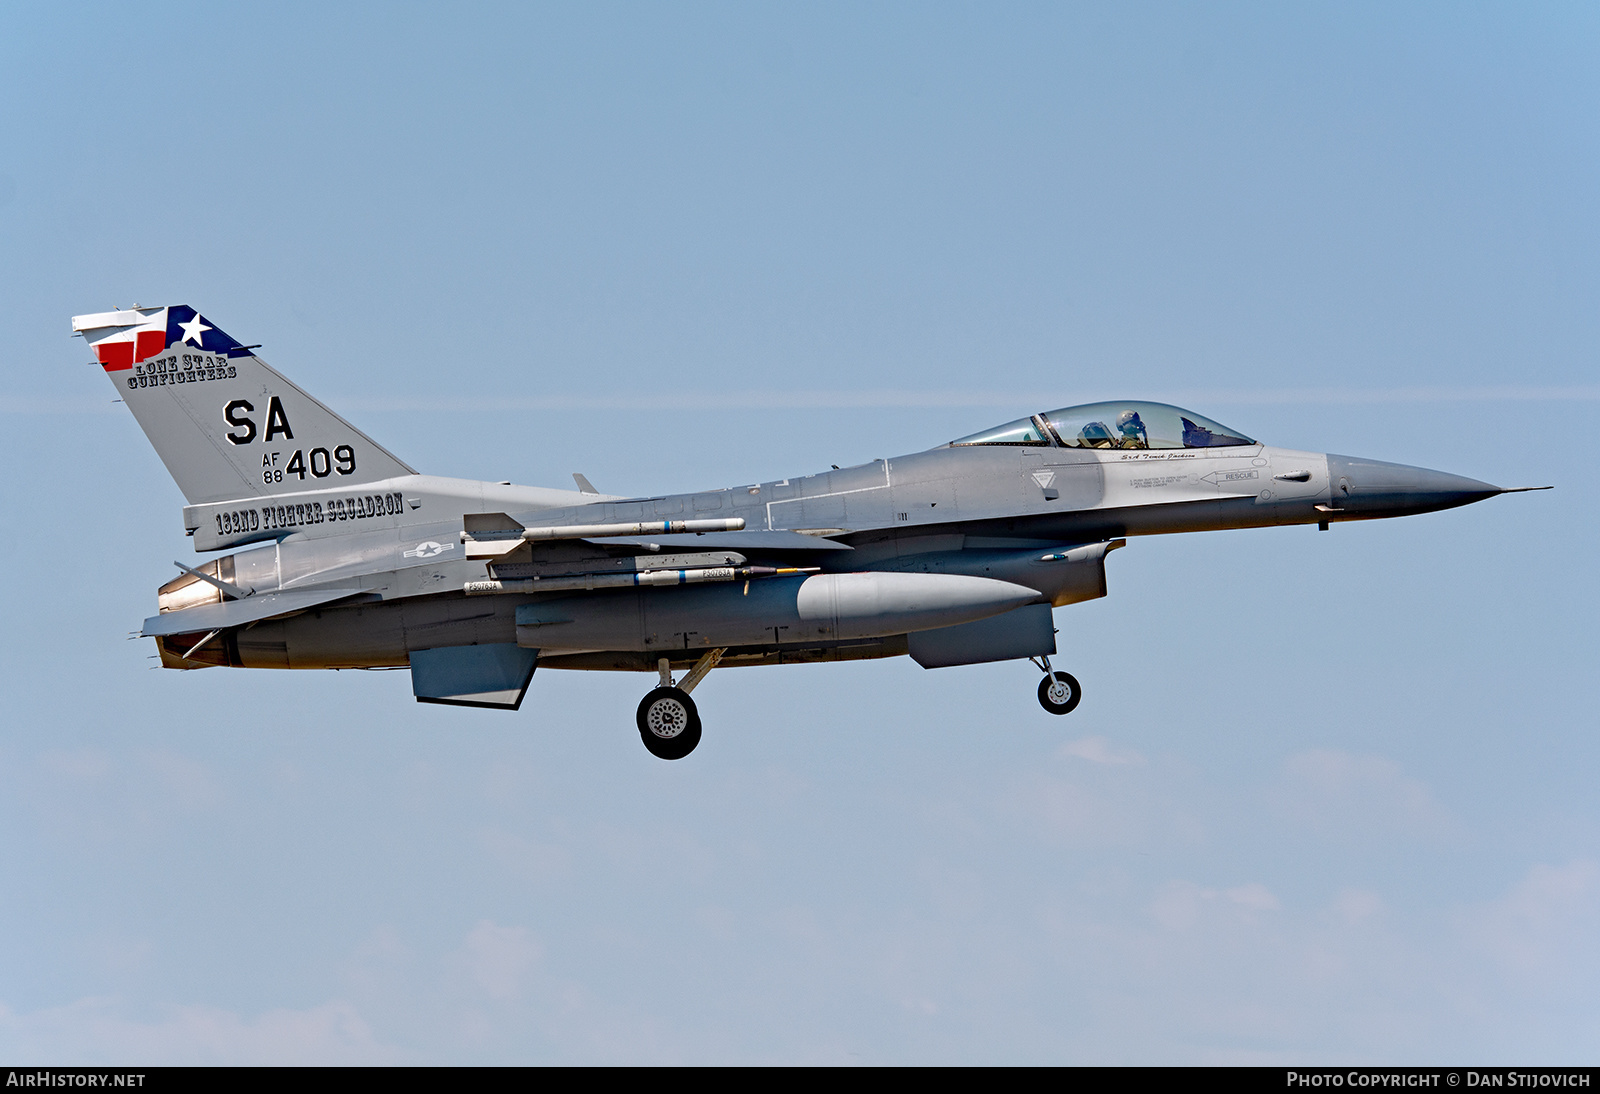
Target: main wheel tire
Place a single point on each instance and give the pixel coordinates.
(1059, 693)
(669, 724)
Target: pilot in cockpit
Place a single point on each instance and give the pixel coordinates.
(1134, 434)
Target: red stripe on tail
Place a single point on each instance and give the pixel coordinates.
(116, 356)
(148, 343)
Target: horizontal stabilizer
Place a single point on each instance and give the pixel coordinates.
(236, 613)
(495, 675)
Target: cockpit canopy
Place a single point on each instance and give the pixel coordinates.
(1113, 425)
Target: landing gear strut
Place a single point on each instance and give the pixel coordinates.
(669, 724)
(1059, 692)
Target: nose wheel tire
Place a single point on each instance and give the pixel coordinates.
(1059, 693)
(669, 724)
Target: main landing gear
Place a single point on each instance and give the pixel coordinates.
(1059, 692)
(669, 724)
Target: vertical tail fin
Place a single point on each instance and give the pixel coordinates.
(224, 422)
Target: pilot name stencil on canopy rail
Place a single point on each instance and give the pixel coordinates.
(343, 556)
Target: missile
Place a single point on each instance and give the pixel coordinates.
(640, 528)
(649, 578)
(493, 544)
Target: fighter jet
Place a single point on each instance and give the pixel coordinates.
(340, 555)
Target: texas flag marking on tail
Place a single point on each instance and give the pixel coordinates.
(122, 339)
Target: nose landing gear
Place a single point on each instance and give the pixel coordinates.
(668, 722)
(1059, 692)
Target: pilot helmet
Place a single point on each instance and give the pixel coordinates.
(1128, 418)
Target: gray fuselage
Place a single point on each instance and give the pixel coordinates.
(981, 510)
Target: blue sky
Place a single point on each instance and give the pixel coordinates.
(1329, 797)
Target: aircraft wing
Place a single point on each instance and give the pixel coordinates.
(236, 613)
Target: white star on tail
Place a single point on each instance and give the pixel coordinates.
(193, 329)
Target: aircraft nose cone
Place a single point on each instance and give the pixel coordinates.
(1393, 489)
